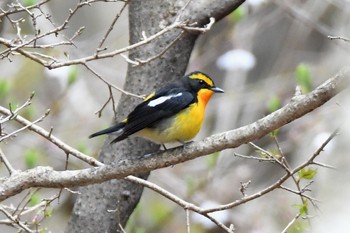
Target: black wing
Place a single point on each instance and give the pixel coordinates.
(165, 104)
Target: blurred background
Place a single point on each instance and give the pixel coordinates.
(258, 55)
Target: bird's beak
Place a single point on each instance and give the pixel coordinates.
(217, 89)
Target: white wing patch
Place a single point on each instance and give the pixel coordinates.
(162, 99)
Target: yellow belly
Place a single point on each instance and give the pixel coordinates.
(183, 127)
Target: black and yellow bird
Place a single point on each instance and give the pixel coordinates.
(173, 113)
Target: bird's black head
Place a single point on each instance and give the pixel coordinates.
(198, 80)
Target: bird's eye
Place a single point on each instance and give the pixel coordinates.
(201, 81)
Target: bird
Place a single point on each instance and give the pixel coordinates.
(173, 113)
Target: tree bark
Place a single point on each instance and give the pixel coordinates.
(90, 212)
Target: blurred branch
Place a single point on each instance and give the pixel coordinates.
(48, 135)
(54, 63)
(26, 126)
(99, 48)
(17, 45)
(254, 157)
(338, 38)
(110, 98)
(69, 150)
(6, 162)
(303, 17)
(138, 61)
(300, 193)
(297, 107)
(110, 84)
(285, 230)
(188, 226)
(20, 45)
(15, 221)
(276, 184)
(13, 113)
(184, 204)
(285, 165)
(18, 214)
(17, 8)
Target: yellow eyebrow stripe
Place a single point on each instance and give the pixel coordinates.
(202, 77)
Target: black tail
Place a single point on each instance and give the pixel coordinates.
(108, 130)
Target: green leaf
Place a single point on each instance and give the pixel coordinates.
(273, 103)
(276, 154)
(31, 158)
(190, 185)
(72, 75)
(34, 200)
(237, 15)
(303, 77)
(159, 212)
(140, 230)
(307, 174)
(131, 224)
(29, 112)
(298, 227)
(303, 208)
(275, 133)
(29, 2)
(212, 160)
(48, 212)
(82, 147)
(4, 88)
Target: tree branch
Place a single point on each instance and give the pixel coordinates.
(55, 63)
(48, 135)
(297, 107)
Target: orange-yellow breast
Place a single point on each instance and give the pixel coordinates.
(182, 127)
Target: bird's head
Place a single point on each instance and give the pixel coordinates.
(203, 85)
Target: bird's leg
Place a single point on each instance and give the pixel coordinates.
(183, 142)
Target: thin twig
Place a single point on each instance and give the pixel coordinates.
(186, 205)
(15, 221)
(99, 112)
(338, 38)
(268, 154)
(285, 165)
(138, 62)
(6, 163)
(56, 141)
(83, 61)
(18, 10)
(111, 27)
(110, 84)
(188, 227)
(13, 113)
(181, 11)
(200, 29)
(300, 193)
(323, 165)
(277, 183)
(26, 126)
(114, 108)
(253, 157)
(291, 223)
(121, 228)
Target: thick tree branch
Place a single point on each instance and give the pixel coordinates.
(297, 107)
